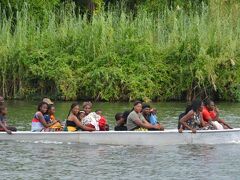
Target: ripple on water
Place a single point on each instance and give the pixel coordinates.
(24, 160)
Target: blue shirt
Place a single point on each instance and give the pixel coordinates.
(153, 119)
(47, 118)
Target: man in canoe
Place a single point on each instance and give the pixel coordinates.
(210, 115)
(149, 116)
(136, 121)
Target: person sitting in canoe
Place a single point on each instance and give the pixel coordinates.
(151, 118)
(50, 117)
(136, 121)
(3, 121)
(73, 123)
(120, 122)
(38, 122)
(91, 119)
(193, 119)
(210, 115)
(103, 126)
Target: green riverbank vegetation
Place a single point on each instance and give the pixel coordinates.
(117, 53)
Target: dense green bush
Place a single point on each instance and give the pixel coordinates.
(178, 54)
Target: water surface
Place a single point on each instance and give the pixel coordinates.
(80, 161)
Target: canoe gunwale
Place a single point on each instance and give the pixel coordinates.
(129, 132)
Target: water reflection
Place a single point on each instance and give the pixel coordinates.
(196, 150)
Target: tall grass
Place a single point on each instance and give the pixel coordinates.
(119, 56)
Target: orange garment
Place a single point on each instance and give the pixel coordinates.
(57, 126)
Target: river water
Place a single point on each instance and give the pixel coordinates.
(80, 161)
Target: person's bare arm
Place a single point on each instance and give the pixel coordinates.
(79, 124)
(224, 123)
(145, 124)
(221, 120)
(202, 122)
(44, 123)
(184, 120)
(5, 128)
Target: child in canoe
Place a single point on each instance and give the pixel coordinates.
(103, 126)
(50, 118)
(39, 122)
(3, 121)
(120, 121)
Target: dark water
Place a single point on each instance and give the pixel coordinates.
(79, 161)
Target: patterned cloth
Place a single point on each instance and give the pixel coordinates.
(92, 119)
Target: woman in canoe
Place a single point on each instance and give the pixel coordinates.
(193, 120)
(39, 122)
(136, 121)
(92, 119)
(73, 123)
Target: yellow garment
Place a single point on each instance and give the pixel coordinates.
(71, 128)
(57, 125)
(141, 129)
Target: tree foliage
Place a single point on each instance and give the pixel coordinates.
(174, 53)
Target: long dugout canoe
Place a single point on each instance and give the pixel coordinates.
(151, 138)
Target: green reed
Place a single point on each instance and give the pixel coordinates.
(117, 55)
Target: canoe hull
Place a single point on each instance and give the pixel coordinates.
(152, 138)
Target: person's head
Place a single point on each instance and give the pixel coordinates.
(51, 109)
(48, 101)
(42, 107)
(99, 112)
(137, 106)
(74, 109)
(3, 110)
(210, 105)
(87, 107)
(197, 105)
(146, 109)
(118, 116)
(81, 115)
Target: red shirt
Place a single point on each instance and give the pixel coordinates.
(102, 123)
(206, 114)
